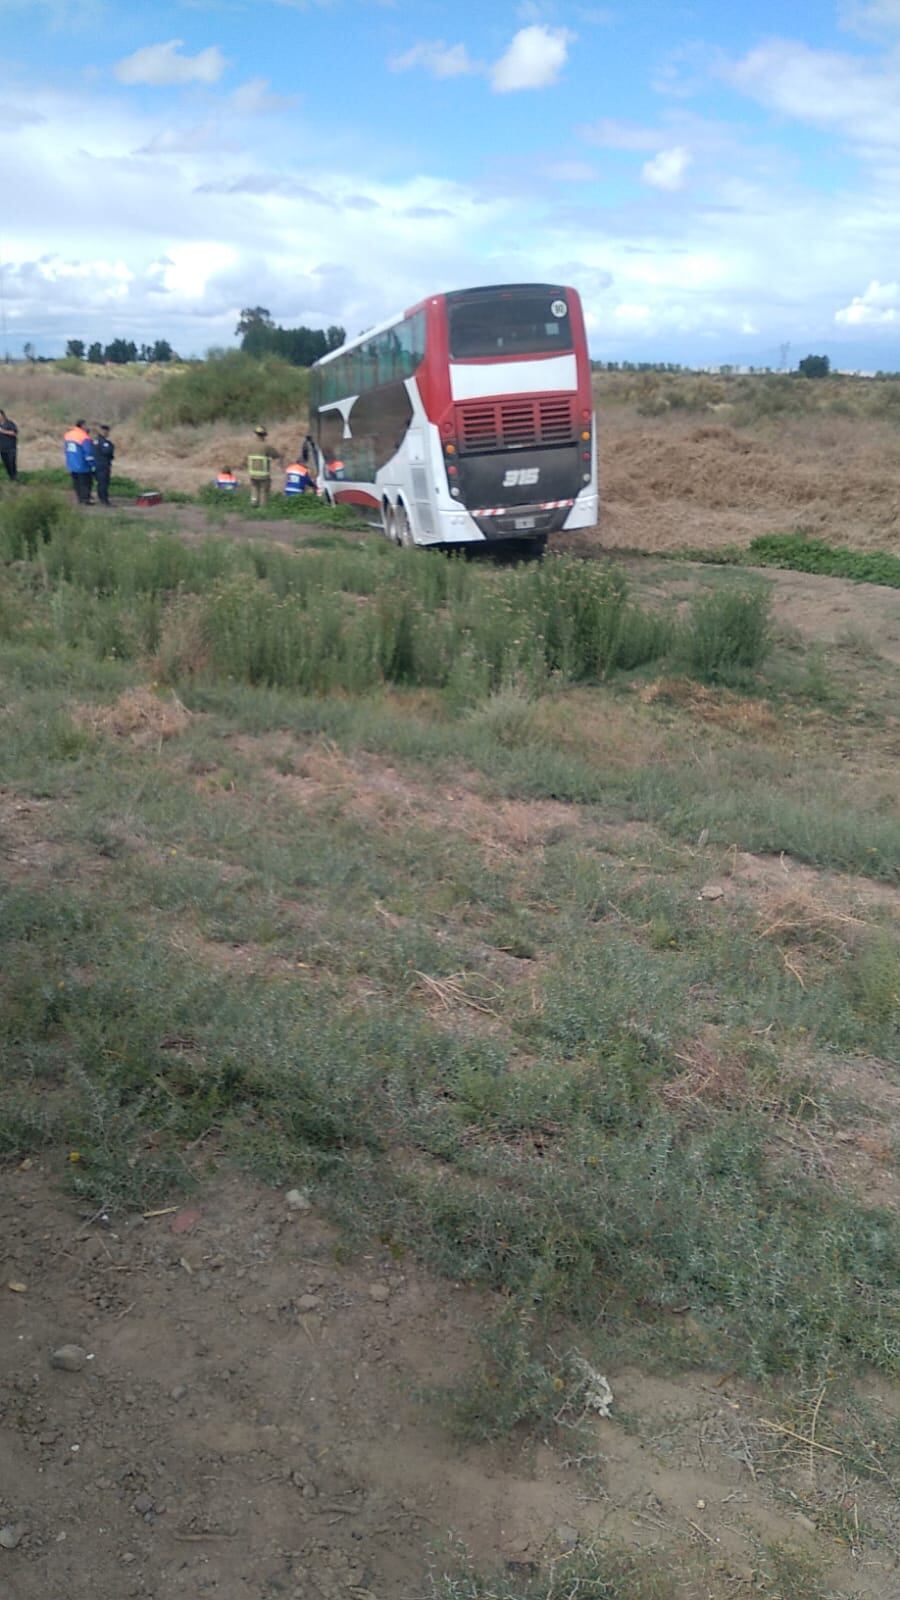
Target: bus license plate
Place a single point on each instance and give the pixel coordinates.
(523, 522)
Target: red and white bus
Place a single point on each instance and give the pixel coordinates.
(467, 419)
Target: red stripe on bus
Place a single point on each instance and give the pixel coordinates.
(356, 497)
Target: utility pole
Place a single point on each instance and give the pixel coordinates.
(784, 351)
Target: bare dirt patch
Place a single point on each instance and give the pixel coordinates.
(772, 880)
(375, 790)
(249, 1418)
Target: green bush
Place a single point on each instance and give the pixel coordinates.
(230, 387)
(282, 508)
(727, 634)
(28, 521)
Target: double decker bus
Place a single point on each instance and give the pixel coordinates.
(468, 419)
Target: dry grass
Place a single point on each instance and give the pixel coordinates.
(670, 481)
(798, 917)
(376, 792)
(717, 706)
(44, 402)
(712, 1074)
(141, 714)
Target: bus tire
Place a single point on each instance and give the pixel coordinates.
(404, 534)
(387, 521)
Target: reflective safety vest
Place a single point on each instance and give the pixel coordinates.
(259, 466)
(79, 450)
(226, 480)
(296, 478)
(334, 469)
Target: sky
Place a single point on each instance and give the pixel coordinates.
(720, 182)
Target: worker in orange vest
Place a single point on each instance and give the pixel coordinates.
(79, 451)
(297, 479)
(226, 480)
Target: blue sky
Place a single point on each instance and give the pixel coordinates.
(718, 181)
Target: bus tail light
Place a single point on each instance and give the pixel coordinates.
(585, 415)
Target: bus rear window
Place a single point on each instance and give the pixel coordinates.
(508, 325)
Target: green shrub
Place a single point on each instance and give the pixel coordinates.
(230, 387)
(29, 521)
(727, 634)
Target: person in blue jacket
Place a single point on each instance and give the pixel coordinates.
(79, 451)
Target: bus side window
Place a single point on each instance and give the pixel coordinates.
(411, 339)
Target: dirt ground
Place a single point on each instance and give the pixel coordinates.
(256, 1415)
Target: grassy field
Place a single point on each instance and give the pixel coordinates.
(687, 461)
(539, 928)
(540, 923)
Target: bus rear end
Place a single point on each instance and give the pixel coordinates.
(507, 386)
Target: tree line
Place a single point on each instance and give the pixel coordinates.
(261, 336)
(119, 351)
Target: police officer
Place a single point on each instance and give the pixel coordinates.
(104, 452)
(9, 442)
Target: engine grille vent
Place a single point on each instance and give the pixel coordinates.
(512, 424)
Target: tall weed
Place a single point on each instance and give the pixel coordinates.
(727, 634)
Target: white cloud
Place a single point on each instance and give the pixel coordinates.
(187, 235)
(611, 134)
(631, 315)
(440, 59)
(872, 17)
(255, 97)
(877, 306)
(668, 169)
(174, 141)
(534, 59)
(162, 64)
(828, 88)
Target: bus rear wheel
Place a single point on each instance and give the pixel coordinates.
(402, 525)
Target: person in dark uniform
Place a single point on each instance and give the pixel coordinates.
(9, 442)
(104, 452)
